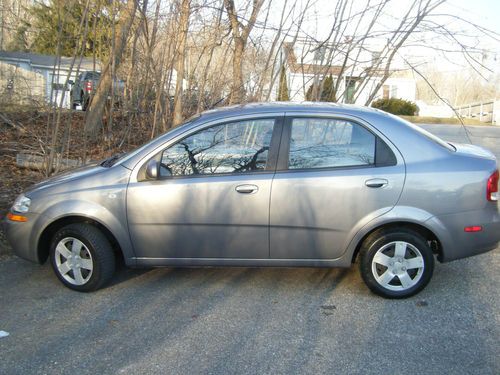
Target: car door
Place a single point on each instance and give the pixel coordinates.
(334, 175)
(212, 197)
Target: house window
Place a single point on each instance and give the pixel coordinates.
(320, 53)
(350, 88)
(385, 91)
(394, 91)
(58, 86)
(376, 57)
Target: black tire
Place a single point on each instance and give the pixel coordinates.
(95, 249)
(85, 102)
(388, 281)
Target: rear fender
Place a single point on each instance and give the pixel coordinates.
(406, 214)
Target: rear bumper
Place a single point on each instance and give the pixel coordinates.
(456, 243)
(19, 236)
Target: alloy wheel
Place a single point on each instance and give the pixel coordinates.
(398, 266)
(73, 261)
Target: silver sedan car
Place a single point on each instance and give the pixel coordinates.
(307, 185)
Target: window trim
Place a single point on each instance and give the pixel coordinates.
(284, 153)
(272, 157)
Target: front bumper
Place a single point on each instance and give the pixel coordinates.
(20, 237)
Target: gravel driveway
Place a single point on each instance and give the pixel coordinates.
(254, 321)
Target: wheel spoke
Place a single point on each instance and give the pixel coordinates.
(78, 276)
(76, 247)
(400, 249)
(405, 279)
(417, 262)
(64, 268)
(385, 278)
(86, 264)
(382, 259)
(63, 250)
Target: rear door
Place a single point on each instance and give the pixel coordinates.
(334, 174)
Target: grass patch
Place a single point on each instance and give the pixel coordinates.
(439, 120)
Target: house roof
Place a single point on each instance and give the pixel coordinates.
(38, 60)
(296, 67)
(314, 69)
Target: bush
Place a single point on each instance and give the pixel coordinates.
(327, 93)
(396, 106)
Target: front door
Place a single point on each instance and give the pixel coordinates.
(333, 176)
(212, 197)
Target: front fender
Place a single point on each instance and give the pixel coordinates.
(85, 209)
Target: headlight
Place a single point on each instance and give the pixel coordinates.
(22, 204)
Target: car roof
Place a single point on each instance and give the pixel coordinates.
(266, 107)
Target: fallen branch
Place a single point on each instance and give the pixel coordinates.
(11, 123)
(37, 162)
(7, 150)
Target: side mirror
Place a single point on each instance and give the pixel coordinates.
(152, 170)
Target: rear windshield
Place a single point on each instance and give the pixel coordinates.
(92, 75)
(430, 136)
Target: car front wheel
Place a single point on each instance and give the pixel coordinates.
(396, 263)
(82, 257)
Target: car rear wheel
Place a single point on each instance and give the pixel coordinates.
(82, 257)
(396, 263)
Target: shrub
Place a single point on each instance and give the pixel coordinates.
(327, 93)
(283, 95)
(396, 106)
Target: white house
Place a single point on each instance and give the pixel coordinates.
(353, 71)
(30, 75)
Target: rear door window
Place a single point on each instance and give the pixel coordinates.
(326, 143)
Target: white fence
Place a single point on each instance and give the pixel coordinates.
(485, 111)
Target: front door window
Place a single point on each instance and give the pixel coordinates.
(228, 148)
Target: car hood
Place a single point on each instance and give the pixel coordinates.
(473, 150)
(67, 176)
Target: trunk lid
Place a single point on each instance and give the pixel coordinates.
(473, 150)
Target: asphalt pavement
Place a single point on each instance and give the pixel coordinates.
(254, 321)
(480, 135)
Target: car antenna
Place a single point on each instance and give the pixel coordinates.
(467, 132)
(217, 102)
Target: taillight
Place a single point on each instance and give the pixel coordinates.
(492, 187)
(88, 85)
(474, 228)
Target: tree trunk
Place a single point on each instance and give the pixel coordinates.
(238, 86)
(181, 55)
(240, 36)
(93, 122)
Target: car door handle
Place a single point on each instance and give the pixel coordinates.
(376, 182)
(247, 189)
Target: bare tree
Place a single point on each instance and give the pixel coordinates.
(93, 122)
(240, 33)
(402, 33)
(180, 59)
